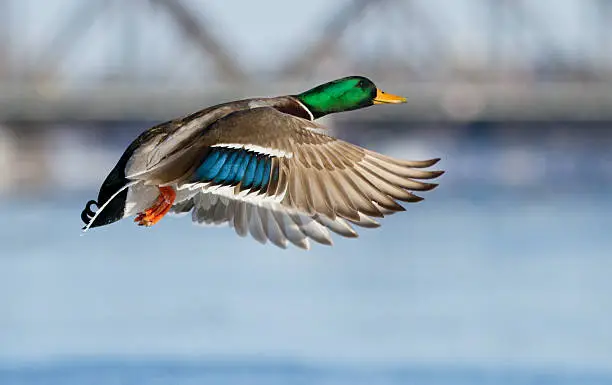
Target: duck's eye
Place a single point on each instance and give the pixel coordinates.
(361, 84)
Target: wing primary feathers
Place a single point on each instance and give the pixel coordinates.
(373, 192)
(365, 221)
(403, 182)
(403, 163)
(353, 153)
(345, 207)
(362, 202)
(389, 188)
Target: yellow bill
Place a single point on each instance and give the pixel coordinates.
(384, 98)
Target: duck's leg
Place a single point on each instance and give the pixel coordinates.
(162, 205)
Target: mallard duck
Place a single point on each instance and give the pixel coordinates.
(265, 167)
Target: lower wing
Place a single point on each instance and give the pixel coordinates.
(265, 219)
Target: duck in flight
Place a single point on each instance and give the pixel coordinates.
(265, 167)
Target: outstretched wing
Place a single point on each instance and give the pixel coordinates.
(276, 168)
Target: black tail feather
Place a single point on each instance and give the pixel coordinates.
(112, 195)
(87, 214)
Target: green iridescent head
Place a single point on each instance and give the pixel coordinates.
(346, 94)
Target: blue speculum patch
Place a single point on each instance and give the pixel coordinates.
(230, 166)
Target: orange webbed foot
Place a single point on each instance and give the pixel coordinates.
(162, 205)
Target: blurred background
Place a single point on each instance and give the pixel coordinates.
(501, 276)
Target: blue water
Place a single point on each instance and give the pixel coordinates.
(514, 290)
(281, 373)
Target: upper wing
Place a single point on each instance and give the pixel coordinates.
(288, 164)
(313, 172)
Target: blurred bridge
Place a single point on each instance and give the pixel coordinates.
(104, 64)
(113, 60)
